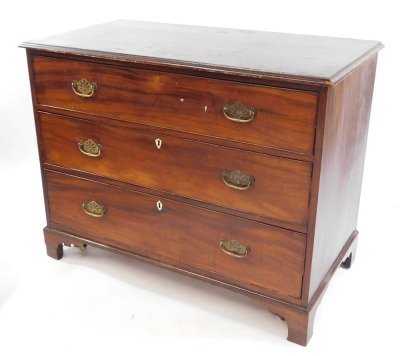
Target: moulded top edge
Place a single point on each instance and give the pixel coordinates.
(288, 57)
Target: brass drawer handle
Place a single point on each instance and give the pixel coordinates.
(83, 87)
(90, 148)
(237, 179)
(94, 209)
(234, 248)
(238, 112)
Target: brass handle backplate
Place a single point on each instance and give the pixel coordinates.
(239, 112)
(94, 209)
(234, 248)
(90, 148)
(83, 87)
(237, 179)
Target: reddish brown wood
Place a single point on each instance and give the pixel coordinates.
(292, 58)
(319, 136)
(305, 147)
(300, 321)
(341, 170)
(280, 191)
(54, 245)
(141, 226)
(347, 250)
(181, 134)
(300, 325)
(179, 198)
(38, 137)
(77, 237)
(242, 76)
(285, 119)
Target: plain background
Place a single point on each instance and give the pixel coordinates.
(97, 303)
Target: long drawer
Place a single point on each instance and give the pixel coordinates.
(269, 186)
(282, 118)
(248, 252)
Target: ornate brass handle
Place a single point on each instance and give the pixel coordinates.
(90, 148)
(237, 179)
(83, 87)
(234, 248)
(238, 112)
(94, 209)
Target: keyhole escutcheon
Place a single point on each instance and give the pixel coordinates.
(158, 143)
(159, 205)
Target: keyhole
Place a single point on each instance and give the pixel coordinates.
(158, 143)
(159, 205)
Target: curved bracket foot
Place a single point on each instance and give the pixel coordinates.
(300, 322)
(55, 242)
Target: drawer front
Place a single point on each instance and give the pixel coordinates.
(280, 189)
(284, 119)
(274, 257)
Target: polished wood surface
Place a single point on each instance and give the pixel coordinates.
(278, 253)
(313, 59)
(284, 119)
(341, 168)
(304, 150)
(187, 168)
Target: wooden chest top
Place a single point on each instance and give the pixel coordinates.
(292, 58)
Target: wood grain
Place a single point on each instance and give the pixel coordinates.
(181, 167)
(341, 170)
(278, 253)
(293, 58)
(285, 119)
(305, 148)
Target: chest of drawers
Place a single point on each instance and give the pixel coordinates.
(232, 156)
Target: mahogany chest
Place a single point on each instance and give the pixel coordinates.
(232, 156)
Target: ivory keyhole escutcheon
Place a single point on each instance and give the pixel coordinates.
(159, 205)
(158, 143)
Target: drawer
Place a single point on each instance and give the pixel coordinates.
(284, 119)
(272, 258)
(280, 189)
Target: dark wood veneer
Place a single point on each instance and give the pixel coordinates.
(280, 191)
(285, 119)
(141, 226)
(313, 59)
(182, 134)
(178, 198)
(305, 148)
(345, 131)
